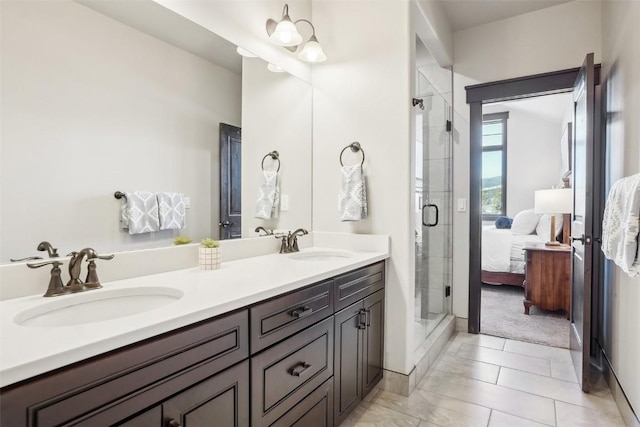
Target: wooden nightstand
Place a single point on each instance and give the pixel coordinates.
(547, 283)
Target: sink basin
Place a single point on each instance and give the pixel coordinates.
(97, 306)
(320, 255)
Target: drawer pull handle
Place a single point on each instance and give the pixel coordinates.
(299, 313)
(362, 319)
(173, 423)
(299, 369)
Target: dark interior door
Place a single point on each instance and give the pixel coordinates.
(582, 225)
(230, 186)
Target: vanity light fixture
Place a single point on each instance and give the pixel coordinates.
(284, 35)
(274, 68)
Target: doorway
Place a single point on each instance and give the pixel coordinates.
(526, 147)
(230, 182)
(586, 201)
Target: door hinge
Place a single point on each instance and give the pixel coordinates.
(449, 125)
(447, 291)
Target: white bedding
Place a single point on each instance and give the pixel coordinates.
(502, 251)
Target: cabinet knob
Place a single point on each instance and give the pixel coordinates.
(173, 423)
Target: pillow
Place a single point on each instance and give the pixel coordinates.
(525, 222)
(543, 229)
(503, 222)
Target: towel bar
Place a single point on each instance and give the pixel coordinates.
(119, 195)
(355, 147)
(275, 156)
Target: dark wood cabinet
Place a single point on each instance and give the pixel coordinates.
(373, 344)
(547, 282)
(223, 398)
(359, 344)
(315, 410)
(284, 374)
(284, 362)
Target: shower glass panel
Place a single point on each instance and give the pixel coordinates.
(433, 209)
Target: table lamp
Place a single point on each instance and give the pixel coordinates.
(555, 201)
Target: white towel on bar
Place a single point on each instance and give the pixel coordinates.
(173, 212)
(268, 195)
(139, 212)
(621, 224)
(353, 194)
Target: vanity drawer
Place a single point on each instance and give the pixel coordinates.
(354, 286)
(289, 371)
(276, 319)
(315, 410)
(59, 397)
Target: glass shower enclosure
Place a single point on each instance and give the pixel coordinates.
(433, 216)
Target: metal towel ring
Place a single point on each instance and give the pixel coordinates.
(275, 156)
(355, 147)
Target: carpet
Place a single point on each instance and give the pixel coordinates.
(502, 315)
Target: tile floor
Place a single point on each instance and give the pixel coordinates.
(480, 380)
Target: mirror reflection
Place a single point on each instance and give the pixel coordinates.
(128, 96)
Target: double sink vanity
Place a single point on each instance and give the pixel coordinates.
(271, 340)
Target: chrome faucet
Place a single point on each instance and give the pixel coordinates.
(268, 232)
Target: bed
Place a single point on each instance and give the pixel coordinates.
(503, 256)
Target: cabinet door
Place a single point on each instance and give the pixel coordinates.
(373, 345)
(221, 400)
(347, 361)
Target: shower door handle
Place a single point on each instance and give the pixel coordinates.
(433, 224)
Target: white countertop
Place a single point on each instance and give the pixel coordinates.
(27, 351)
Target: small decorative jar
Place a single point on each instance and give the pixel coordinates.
(209, 255)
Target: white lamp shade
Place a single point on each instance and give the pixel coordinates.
(286, 34)
(556, 201)
(312, 52)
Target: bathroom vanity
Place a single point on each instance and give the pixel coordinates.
(304, 353)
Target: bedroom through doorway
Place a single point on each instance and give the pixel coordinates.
(526, 151)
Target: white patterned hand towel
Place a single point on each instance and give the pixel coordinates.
(353, 194)
(139, 212)
(621, 224)
(173, 213)
(268, 195)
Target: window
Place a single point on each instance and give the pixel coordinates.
(494, 165)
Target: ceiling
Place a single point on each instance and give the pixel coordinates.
(470, 13)
(549, 107)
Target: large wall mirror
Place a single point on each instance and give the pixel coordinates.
(102, 96)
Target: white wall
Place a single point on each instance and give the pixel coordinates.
(91, 106)
(284, 126)
(363, 93)
(621, 66)
(533, 154)
(547, 40)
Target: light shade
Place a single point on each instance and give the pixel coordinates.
(244, 52)
(556, 201)
(286, 33)
(274, 68)
(312, 51)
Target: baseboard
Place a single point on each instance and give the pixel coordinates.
(426, 354)
(462, 324)
(626, 410)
